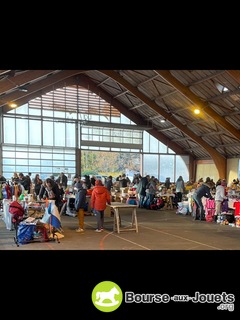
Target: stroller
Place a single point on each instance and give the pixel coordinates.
(26, 229)
(17, 212)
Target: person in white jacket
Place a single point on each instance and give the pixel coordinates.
(219, 197)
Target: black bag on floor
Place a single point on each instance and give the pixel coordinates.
(229, 217)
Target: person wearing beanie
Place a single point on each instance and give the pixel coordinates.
(99, 200)
(80, 200)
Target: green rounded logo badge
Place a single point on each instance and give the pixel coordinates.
(107, 296)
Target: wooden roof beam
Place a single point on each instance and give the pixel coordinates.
(166, 74)
(219, 160)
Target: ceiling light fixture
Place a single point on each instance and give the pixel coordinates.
(22, 89)
(163, 120)
(12, 104)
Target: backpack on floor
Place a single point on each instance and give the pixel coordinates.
(160, 203)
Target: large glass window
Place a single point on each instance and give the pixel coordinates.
(59, 139)
(167, 168)
(71, 135)
(9, 134)
(38, 160)
(48, 133)
(182, 167)
(153, 144)
(35, 136)
(45, 136)
(22, 131)
(150, 165)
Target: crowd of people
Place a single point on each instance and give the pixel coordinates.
(56, 189)
(146, 189)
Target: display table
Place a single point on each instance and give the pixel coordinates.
(234, 204)
(117, 206)
(36, 208)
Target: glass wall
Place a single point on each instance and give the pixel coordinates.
(44, 135)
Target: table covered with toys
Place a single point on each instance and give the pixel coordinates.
(32, 221)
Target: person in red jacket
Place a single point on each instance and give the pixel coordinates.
(99, 200)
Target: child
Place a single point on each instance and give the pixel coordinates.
(100, 198)
(80, 200)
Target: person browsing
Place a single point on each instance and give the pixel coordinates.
(203, 191)
(99, 200)
(80, 201)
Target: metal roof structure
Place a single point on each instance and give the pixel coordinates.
(163, 101)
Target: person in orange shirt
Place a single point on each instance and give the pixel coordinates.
(99, 200)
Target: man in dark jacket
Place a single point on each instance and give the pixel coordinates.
(63, 179)
(24, 181)
(203, 191)
(52, 192)
(80, 201)
(141, 190)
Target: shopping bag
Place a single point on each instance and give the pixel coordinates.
(25, 233)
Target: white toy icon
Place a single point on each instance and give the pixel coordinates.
(107, 295)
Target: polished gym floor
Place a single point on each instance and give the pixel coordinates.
(157, 230)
